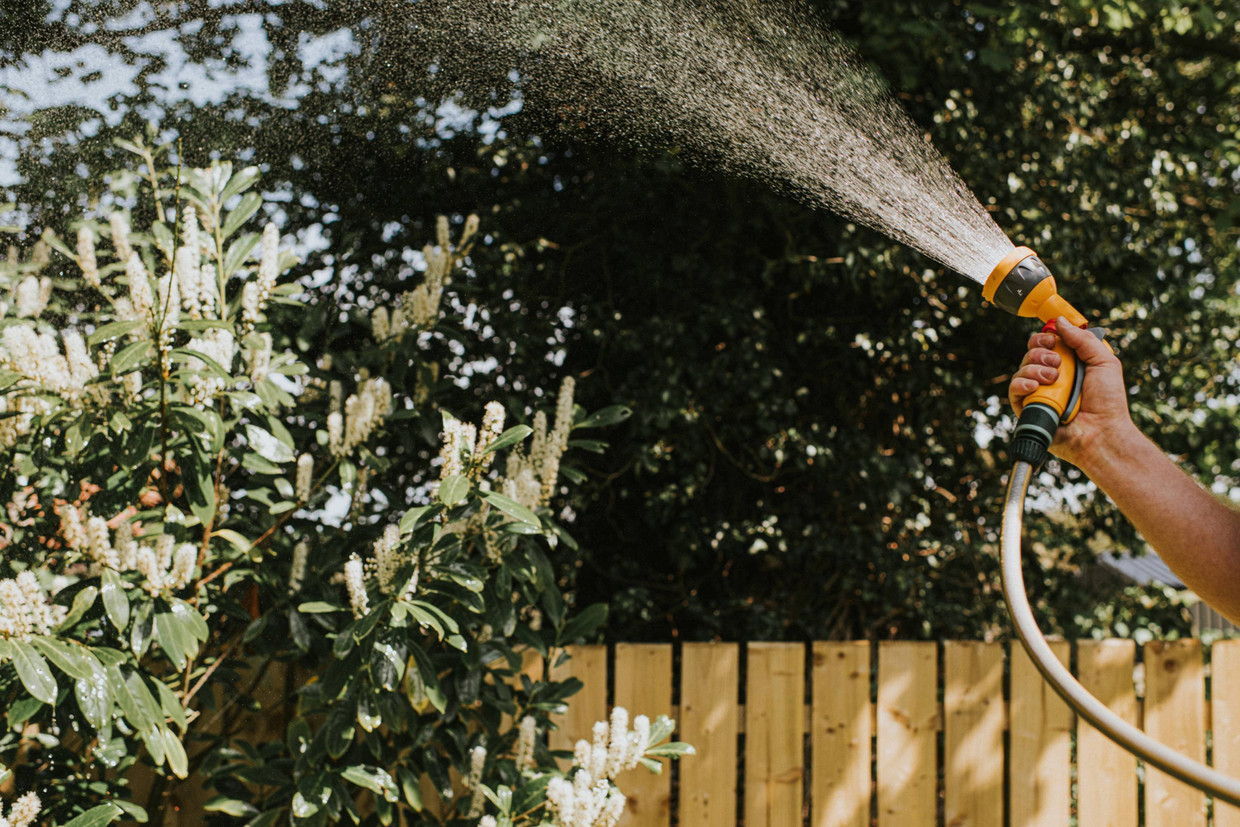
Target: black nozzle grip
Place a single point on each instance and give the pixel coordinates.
(1034, 431)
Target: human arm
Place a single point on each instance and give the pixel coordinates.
(1197, 535)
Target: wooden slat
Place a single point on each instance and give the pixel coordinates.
(907, 724)
(643, 683)
(1175, 716)
(1039, 776)
(710, 720)
(1106, 773)
(589, 665)
(840, 730)
(973, 733)
(1225, 702)
(774, 734)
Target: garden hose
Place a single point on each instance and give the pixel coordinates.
(1153, 753)
(1023, 285)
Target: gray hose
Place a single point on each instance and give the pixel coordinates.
(1153, 753)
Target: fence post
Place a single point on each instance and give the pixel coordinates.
(1040, 724)
(841, 726)
(774, 734)
(710, 720)
(907, 731)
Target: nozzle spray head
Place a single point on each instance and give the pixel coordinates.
(1023, 285)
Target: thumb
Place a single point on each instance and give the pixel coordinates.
(1088, 346)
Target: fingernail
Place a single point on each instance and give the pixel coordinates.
(1053, 360)
(1049, 374)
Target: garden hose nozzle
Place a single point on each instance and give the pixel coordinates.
(1022, 284)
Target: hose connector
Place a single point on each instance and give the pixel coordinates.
(1035, 430)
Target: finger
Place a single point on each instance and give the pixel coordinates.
(1022, 386)
(1041, 356)
(1089, 347)
(1041, 374)
(1042, 340)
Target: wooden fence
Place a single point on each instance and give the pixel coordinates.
(904, 734)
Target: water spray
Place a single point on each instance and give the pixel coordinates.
(1023, 285)
(765, 90)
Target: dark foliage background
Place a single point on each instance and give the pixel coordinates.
(808, 454)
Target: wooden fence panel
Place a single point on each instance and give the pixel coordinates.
(589, 665)
(973, 733)
(643, 683)
(1106, 773)
(907, 723)
(774, 734)
(1225, 704)
(841, 728)
(1040, 773)
(710, 720)
(1174, 715)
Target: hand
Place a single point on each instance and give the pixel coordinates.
(1103, 413)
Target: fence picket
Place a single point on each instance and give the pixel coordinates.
(589, 665)
(1225, 703)
(1106, 773)
(710, 720)
(907, 724)
(841, 726)
(973, 733)
(774, 734)
(1039, 778)
(643, 683)
(1174, 715)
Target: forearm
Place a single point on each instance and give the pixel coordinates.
(1197, 535)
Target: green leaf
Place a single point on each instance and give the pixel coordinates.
(412, 518)
(454, 490)
(338, 730)
(372, 778)
(509, 438)
(240, 182)
(174, 640)
(430, 680)
(410, 788)
(318, 607)
(584, 624)
(194, 622)
(267, 445)
(82, 601)
(34, 672)
(233, 538)
(199, 485)
(22, 710)
(513, 509)
(73, 659)
(174, 750)
(52, 240)
(607, 416)
(113, 330)
(94, 699)
(249, 204)
(229, 806)
(672, 749)
(131, 356)
(97, 816)
(115, 601)
(237, 252)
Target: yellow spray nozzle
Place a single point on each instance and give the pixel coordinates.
(1022, 284)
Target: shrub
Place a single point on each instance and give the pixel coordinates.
(195, 499)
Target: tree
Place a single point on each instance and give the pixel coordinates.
(809, 454)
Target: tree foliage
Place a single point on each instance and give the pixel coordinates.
(811, 450)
